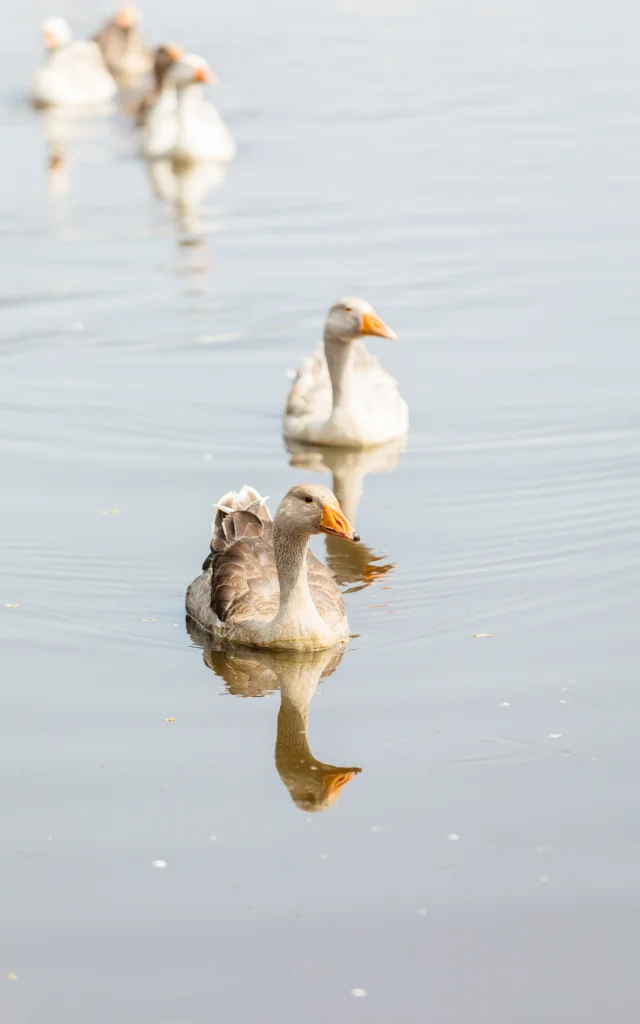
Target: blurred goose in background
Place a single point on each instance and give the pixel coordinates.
(183, 126)
(260, 585)
(314, 786)
(73, 73)
(351, 563)
(164, 58)
(123, 48)
(341, 396)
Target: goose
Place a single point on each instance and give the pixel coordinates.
(122, 46)
(73, 72)
(350, 563)
(341, 396)
(260, 585)
(183, 126)
(164, 58)
(313, 785)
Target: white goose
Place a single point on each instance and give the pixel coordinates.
(341, 396)
(183, 126)
(73, 73)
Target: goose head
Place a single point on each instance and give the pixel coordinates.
(56, 33)
(312, 508)
(189, 70)
(352, 318)
(165, 57)
(127, 18)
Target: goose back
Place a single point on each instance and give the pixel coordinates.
(239, 579)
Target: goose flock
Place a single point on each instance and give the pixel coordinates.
(176, 119)
(260, 585)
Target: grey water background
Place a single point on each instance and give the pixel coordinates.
(471, 169)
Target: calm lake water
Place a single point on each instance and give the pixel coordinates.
(471, 169)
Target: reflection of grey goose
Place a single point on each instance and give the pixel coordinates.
(183, 125)
(73, 72)
(260, 584)
(313, 785)
(341, 396)
(123, 48)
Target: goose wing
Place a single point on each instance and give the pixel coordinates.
(324, 590)
(310, 395)
(310, 398)
(244, 583)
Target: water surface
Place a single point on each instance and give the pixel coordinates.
(471, 170)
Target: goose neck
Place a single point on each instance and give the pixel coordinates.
(188, 97)
(340, 356)
(290, 549)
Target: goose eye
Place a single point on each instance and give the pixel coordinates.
(348, 309)
(308, 500)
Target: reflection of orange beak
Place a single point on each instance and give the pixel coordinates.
(334, 783)
(335, 523)
(203, 75)
(372, 324)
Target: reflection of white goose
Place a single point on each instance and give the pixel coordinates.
(341, 395)
(185, 186)
(73, 72)
(58, 174)
(183, 126)
(66, 130)
(313, 785)
(351, 563)
(260, 584)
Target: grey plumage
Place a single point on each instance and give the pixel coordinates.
(239, 581)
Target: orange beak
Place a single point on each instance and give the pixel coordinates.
(335, 523)
(50, 39)
(175, 52)
(203, 74)
(372, 324)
